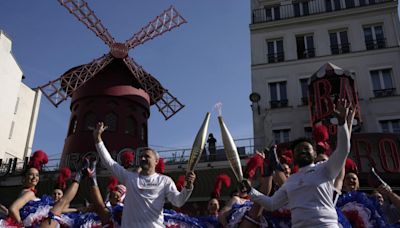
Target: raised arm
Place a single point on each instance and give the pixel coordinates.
(179, 198)
(105, 156)
(336, 161)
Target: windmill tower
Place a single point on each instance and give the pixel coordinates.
(113, 89)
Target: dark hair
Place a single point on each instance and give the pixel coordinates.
(301, 140)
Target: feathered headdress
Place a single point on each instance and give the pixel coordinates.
(350, 166)
(321, 137)
(65, 174)
(38, 159)
(127, 159)
(286, 157)
(180, 182)
(221, 179)
(255, 162)
(160, 167)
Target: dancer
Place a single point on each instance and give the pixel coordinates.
(309, 192)
(146, 190)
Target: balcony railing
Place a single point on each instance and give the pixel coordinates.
(279, 103)
(311, 8)
(385, 92)
(276, 57)
(340, 49)
(375, 44)
(245, 148)
(306, 54)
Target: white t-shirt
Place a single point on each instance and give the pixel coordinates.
(309, 192)
(145, 196)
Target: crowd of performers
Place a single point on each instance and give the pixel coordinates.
(304, 185)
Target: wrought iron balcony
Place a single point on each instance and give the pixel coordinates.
(307, 8)
(385, 92)
(340, 48)
(375, 44)
(276, 57)
(279, 103)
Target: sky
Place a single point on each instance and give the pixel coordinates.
(202, 62)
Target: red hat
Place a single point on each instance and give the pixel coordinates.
(65, 174)
(179, 183)
(222, 178)
(255, 162)
(38, 159)
(320, 133)
(350, 166)
(127, 158)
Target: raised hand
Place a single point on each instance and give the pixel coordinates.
(92, 173)
(190, 178)
(100, 128)
(341, 111)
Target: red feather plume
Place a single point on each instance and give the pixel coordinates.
(221, 179)
(286, 157)
(350, 166)
(320, 133)
(112, 183)
(160, 167)
(65, 174)
(180, 182)
(255, 162)
(38, 159)
(127, 159)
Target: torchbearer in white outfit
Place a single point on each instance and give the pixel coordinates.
(309, 192)
(146, 190)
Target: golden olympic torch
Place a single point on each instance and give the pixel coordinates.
(230, 150)
(198, 144)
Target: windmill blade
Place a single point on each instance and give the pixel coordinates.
(167, 104)
(81, 10)
(60, 89)
(166, 21)
(146, 81)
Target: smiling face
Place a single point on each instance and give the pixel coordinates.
(115, 197)
(213, 206)
(351, 182)
(57, 194)
(31, 178)
(286, 170)
(148, 160)
(304, 154)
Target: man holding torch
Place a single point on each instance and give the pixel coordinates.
(309, 192)
(146, 190)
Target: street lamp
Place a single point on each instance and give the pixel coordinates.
(255, 98)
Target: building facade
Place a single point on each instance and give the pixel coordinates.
(290, 40)
(19, 106)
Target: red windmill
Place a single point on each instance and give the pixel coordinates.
(112, 88)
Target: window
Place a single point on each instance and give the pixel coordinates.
(305, 46)
(278, 94)
(301, 9)
(90, 121)
(275, 51)
(111, 121)
(131, 125)
(72, 126)
(272, 13)
(390, 126)
(349, 3)
(374, 38)
(304, 90)
(16, 106)
(281, 136)
(308, 132)
(11, 130)
(382, 83)
(339, 42)
(332, 5)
